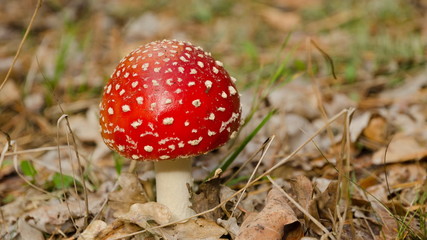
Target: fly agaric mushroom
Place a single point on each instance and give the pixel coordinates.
(166, 102)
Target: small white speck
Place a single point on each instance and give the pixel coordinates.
(168, 101)
(163, 157)
(211, 116)
(188, 49)
(126, 74)
(182, 58)
(145, 66)
(168, 70)
(194, 130)
(157, 63)
(160, 54)
(211, 133)
(219, 63)
(168, 121)
(201, 55)
(152, 106)
(180, 101)
(135, 157)
(157, 69)
(181, 144)
(178, 90)
(122, 92)
(173, 51)
(233, 135)
(134, 84)
(155, 83)
(171, 147)
(208, 84)
(193, 71)
(233, 79)
(191, 84)
(150, 55)
(221, 109)
(200, 64)
(179, 79)
(121, 147)
(131, 59)
(145, 85)
(169, 81)
(181, 69)
(232, 90)
(166, 59)
(135, 65)
(186, 123)
(118, 73)
(110, 111)
(215, 70)
(148, 148)
(188, 55)
(125, 108)
(224, 95)
(117, 86)
(137, 123)
(196, 103)
(195, 141)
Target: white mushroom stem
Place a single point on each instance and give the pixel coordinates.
(172, 177)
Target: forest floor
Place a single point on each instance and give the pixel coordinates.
(334, 97)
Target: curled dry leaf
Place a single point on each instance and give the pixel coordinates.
(322, 206)
(140, 213)
(230, 225)
(276, 221)
(93, 230)
(207, 197)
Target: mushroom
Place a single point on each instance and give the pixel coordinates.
(168, 101)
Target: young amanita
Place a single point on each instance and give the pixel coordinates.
(166, 102)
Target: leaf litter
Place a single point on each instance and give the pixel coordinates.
(387, 134)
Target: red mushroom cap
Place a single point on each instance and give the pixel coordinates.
(168, 99)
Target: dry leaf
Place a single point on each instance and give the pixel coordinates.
(118, 229)
(276, 221)
(230, 225)
(358, 124)
(26, 231)
(402, 148)
(322, 206)
(207, 197)
(130, 192)
(141, 213)
(303, 191)
(196, 229)
(94, 228)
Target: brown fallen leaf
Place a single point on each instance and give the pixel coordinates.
(141, 213)
(276, 221)
(196, 229)
(402, 148)
(94, 228)
(26, 231)
(322, 206)
(207, 197)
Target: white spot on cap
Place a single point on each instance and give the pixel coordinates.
(168, 101)
(168, 70)
(121, 148)
(108, 89)
(194, 130)
(171, 147)
(178, 90)
(208, 84)
(233, 135)
(181, 69)
(125, 108)
(160, 54)
(122, 92)
(139, 100)
(219, 63)
(233, 79)
(135, 157)
(118, 73)
(166, 59)
(152, 106)
(135, 65)
(215, 70)
(126, 74)
(196, 103)
(155, 83)
(181, 144)
(145, 85)
(134, 84)
(182, 58)
(224, 95)
(168, 121)
(195, 141)
(137, 123)
(221, 109)
(131, 59)
(200, 64)
(169, 81)
(193, 71)
(186, 123)
(179, 79)
(148, 148)
(211, 116)
(163, 157)
(191, 84)
(145, 66)
(232, 90)
(110, 111)
(157, 69)
(117, 86)
(188, 49)
(211, 133)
